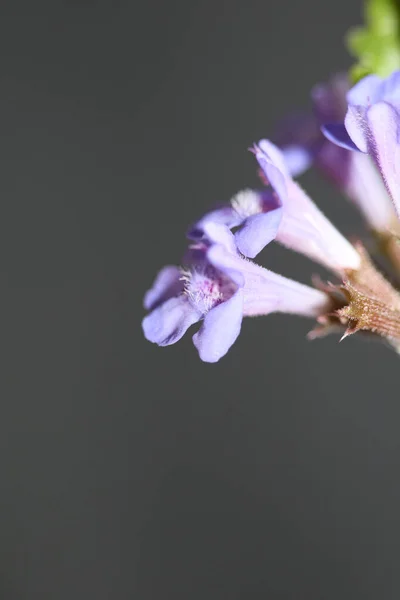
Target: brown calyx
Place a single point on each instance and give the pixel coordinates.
(364, 301)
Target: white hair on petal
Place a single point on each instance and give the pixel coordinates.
(246, 203)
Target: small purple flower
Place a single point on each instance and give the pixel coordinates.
(372, 125)
(282, 212)
(303, 144)
(256, 213)
(219, 290)
(303, 227)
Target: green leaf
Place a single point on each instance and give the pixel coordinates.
(376, 46)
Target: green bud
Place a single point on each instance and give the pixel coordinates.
(376, 45)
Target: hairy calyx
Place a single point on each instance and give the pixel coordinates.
(364, 301)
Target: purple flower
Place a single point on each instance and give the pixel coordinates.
(219, 289)
(371, 126)
(282, 212)
(257, 213)
(303, 227)
(303, 144)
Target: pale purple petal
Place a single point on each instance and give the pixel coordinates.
(337, 133)
(220, 329)
(224, 216)
(365, 92)
(390, 89)
(356, 124)
(383, 125)
(364, 185)
(169, 322)
(166, 285)
(303, 227)
(258, 231)
(230, 264)
(357, 176)
(373, 122)
(221, 235)
(266, 292)
(274, 155)
(272, 162)
(298, 159)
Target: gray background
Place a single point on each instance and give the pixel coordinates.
(129, 471)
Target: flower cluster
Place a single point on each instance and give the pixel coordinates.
(353, 138)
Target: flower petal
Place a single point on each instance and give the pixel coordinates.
(303, 227)
(298, 159)
(228, 263)
(356, 175)
(337, 133)
(257, 232)
(366, 91)
(267, 292)
(166, 285)
(272, 162)
(220, 329)
(390, 89)
(366, 188)
(224, 216)
(169, 322)
(220, 234)
(383, 127)
(274, 155)
(356, 125)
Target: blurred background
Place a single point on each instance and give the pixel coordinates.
(134, 472)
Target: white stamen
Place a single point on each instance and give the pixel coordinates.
(246, 203)
(207, 288)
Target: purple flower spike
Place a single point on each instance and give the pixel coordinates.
(220, 292)
(372, 126)
(256, 213)
(303, 227)
(307, 140)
